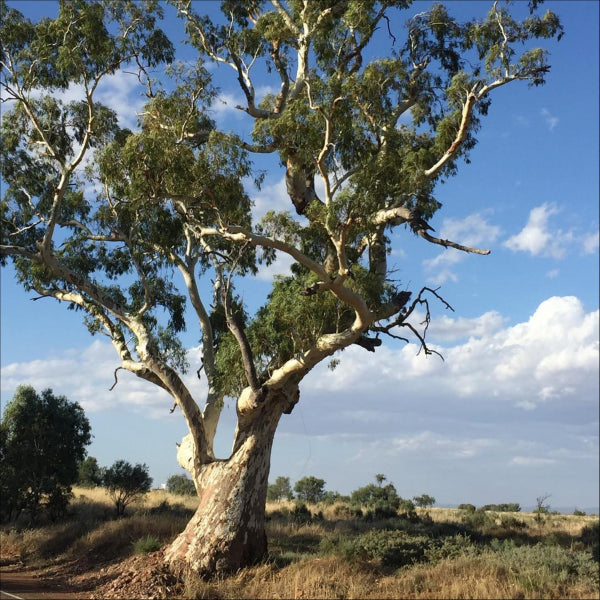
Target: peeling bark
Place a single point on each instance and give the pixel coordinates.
(227, 531)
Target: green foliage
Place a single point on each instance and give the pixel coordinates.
(125, 483)
(310, 489)
(89, 473)
(281, 489)
(450, 547)
(145, 545)
(470, 508)
(424, 500)
(181, 485)
(372, 496)
(392, 548)
(171, 197)
(590, 537)
(502, 507)
(42, 440)
(478, 519)
(545, 567)
(301, 514)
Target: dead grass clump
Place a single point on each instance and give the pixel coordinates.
(328, 577)
(487, 576)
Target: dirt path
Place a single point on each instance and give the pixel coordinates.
(19, 584)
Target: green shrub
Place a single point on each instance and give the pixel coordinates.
(470, 508)
(370, 496)
(181, 485)
(512, 523)
(451, 547)
(590, 537)
(380, 511)
(345, 511)
(147, 544)
(301, 514)
(478, 519)
(503, 507)
(406, 510)
(542, 569)
(392, 548)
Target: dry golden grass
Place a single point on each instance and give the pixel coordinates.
(568, 524)
(152, 499)
(333, 577)
(301, 565)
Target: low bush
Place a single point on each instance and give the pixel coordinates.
(545, 569)
(301, 514)
(451, 547)
(478, 519)
(147, 544)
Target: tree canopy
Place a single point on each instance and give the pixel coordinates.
(126, 482)
(43, 437)
(150, 232)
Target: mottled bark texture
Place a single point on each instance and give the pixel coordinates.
(227, 531)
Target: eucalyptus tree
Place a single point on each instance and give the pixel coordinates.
(128, 226)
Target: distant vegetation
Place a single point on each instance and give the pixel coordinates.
(181, 485)
(340, 549)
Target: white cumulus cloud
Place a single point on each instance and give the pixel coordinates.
(473, 231)
(537, 237)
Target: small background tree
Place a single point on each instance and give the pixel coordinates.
(42, 440)
(181, 485)
(542, 508)
(424, 500)
(280, 490)
(126, 482)
(89, 473)
(310, 489)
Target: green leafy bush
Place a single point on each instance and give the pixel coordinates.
(478, 519)
(181, 485)
(542, 568)
(147, 544)
(451, 547)
(301, 514)
(392, 548)
(503, 507)
(345, 511)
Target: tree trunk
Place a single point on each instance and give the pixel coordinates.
(227, 532)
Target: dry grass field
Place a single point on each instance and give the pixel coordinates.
(322, 551)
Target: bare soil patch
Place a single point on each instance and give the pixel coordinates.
(140, 576)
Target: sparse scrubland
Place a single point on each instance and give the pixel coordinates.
(330, 550)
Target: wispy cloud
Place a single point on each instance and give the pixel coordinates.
(87, 376)
(550, 119)
(591, 242)
(532, 461)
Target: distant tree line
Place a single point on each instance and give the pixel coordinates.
(379, 500)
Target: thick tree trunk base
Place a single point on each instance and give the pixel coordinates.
(227, 531)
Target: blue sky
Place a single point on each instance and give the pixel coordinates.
(510, 414)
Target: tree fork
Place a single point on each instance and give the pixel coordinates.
(227, 532)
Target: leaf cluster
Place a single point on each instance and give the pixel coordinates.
(126, 482)
(43, 437)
